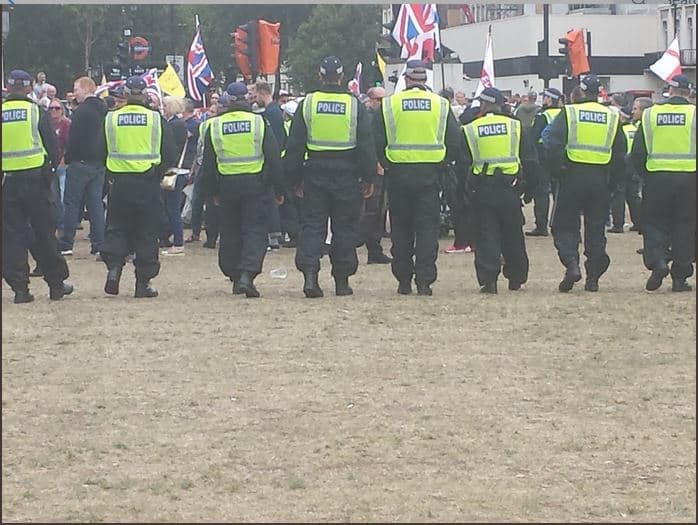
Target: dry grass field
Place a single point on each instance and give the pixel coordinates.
(201, 406)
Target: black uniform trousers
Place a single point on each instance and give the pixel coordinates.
(499, 231)
(582, 192)
(28, 220)
(371, 225)
(290, 215)
(628, 190)
(541, 199)
(332, 193)
(669, 221)
(134, 223)
(243, 214)
(415, 207)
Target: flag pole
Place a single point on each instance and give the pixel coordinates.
(203, 95)
(441, 54)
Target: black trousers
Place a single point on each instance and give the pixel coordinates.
(541, 199)
(499, 232)
(371, 224)
(243, 220)
(334, 194)
(133, 224)
(28, 220)
(669, 221)
(290, 215)
(628, 191)
(414, 225)
(463, 225)
(582, 192)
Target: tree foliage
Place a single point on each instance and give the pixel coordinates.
(346, 31)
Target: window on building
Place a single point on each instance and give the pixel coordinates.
(689, 22)
(665, 33)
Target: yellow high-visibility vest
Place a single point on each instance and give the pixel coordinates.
(331, 120)
(415, 126)
(670, 137)
(237, 139)
(549, 114)
(629, 130)
(591, 129)
(494, 140)
(22, 147)
(134, 137)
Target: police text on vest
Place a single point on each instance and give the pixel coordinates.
(671, 119)
(595, 117)
(489, 130)
(331, 108)
(14, 115)
(242, 126)
(132, 119)
(416, 104)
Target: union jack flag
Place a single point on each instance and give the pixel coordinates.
(417, 31)
(199, 73)
(152, 86)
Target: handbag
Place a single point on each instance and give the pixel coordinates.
(169, 180)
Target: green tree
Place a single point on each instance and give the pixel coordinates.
(346, 31)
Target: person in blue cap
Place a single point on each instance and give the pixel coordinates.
(333, 128)
(664, 153)
(587, 147)
(553, 101)
(140, 148)
(504, 164)
(241, 163)
(29, 158)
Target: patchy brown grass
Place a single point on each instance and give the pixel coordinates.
(201, 406)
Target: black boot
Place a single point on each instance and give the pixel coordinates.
(572, 275)
(341, 286)
(379, 258)
(591, 284)
(514, 285)
(57, 292)
(311, 288)
(680, 285)
(246, 285)
(23, 296)
(404, 287)
(237, 289)
(424, 289)
(143, 289)
(490, 288)
(658, 275)
(111, 286)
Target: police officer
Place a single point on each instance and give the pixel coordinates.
(586, 143)
(553, 101)
(29, 155)
(628, 189)
(497, 149)
(664, 151)
(241, 160)
(139, 148)
(415, 136)
(332, 126)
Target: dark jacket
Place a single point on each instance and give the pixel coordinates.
(275, 117)
(193, 134)
(168, 153)
(272, 173)
(86, 140)
(46, 131)
(454, 148)
(360, 161)
(555, 151)
(638, 154)
(178, 128)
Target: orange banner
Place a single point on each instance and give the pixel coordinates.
(578, 52)
(269, 47)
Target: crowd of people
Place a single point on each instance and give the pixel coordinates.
(328, 172)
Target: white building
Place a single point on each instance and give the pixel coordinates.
(625, 39)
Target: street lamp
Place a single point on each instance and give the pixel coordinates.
(5, 32)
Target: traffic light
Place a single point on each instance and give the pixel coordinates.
(564, 50)
(123, 55)
(246, 48)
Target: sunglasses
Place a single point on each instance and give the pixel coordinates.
(55, 108)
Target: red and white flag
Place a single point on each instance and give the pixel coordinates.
(487, 73)
(669, 65)
(355, 83)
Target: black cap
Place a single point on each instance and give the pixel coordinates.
(492, 95)
(135, 83)
(19, 77)
(236, 91)
(680, 81)
(553, 93)
(590, 83)
(331, 66)
(416, 70)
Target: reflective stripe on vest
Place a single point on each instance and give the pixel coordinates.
(670, 137)
(549, 114)
(494, 139)
(629, 130)
(237, 139)
(134, 136)
(415, 126)
(287, 127)
(22, 147)
(331, 121)
(591, 129)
